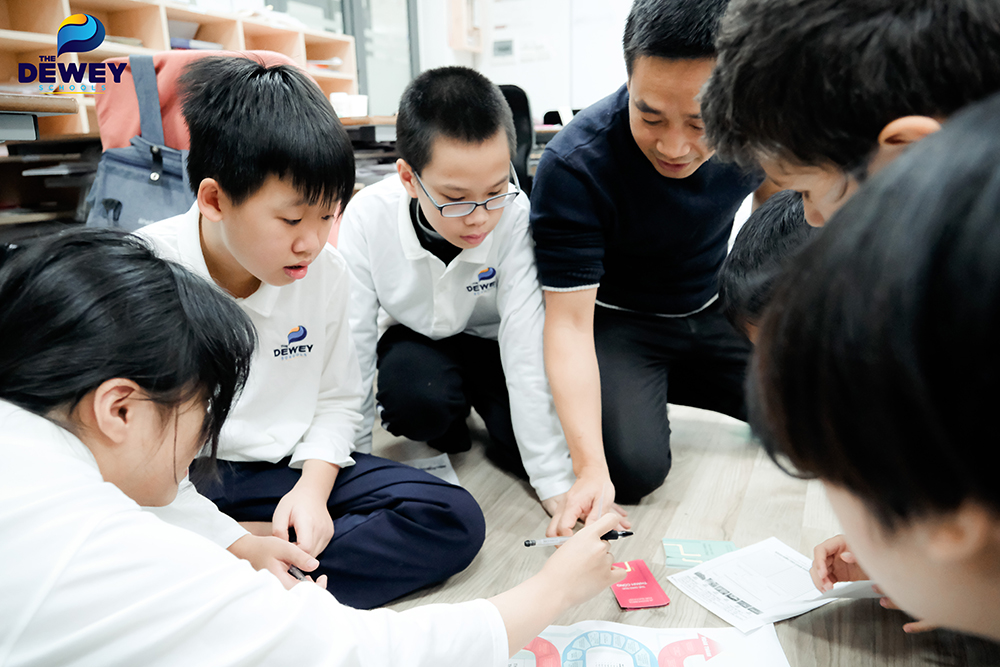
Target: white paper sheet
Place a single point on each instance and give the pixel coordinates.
(601, 643)
(439, 466)
(760, 584)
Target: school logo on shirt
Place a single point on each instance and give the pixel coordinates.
(296, 335)
(485, 281)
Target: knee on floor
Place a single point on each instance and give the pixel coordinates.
(637, 476)
(418, 416)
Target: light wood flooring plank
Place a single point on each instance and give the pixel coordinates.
(721, 487)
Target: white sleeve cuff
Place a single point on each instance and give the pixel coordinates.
(578, 288)
(338, 453)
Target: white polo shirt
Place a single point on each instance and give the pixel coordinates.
(87, 578)
(490, 291)
(303, 396)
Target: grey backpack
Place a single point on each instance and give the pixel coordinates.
(146, 181)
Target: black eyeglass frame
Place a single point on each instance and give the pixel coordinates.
(507, 198)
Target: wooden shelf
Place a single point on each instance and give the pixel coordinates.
(13, 40)
(38, 104)
(318, 73)
(28, 30)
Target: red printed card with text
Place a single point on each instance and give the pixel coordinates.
(639, 589)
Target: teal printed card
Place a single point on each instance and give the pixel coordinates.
(688, 553)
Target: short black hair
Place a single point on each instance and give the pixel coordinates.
(676, 29)
(877, 363)
(769, 239)
(814, 82)
(87, 305)
(454, 102)
(249, 121)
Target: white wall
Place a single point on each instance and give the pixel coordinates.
(433, 19)
(566, 53)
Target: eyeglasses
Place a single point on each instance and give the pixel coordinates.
(460, 209)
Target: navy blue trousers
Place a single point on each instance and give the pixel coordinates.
(396, 528)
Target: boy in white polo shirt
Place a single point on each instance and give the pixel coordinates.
(271, 165)
(445, 301)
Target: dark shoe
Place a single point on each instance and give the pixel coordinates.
(456, 439)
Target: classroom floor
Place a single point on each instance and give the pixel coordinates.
(721, 487)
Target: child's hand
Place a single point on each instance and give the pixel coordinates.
(306, 512)
(580, 569)
(583, 567)
(274, 555)
(833, 563)
(304, 508)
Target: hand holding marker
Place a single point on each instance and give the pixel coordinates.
(556, 541)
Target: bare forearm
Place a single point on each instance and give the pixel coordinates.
(571, 364)
(318, 477)
(527, 609)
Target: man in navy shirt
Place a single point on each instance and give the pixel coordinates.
(631, 217)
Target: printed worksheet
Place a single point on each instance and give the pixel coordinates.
(439, 466)
(761, 584)
(601, 643)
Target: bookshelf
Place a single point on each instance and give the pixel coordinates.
(28, 30)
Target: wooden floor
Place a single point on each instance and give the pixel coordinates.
(721, 487)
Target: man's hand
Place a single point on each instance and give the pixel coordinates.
(274, 555)
(583, 502)
(304, 508)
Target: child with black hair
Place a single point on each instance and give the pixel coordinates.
(117, 368)
(768, 240)
(271, 167)
(446, 302)
(876, 371)
(869, 80)
(824, 93)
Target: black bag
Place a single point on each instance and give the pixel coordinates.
(147, 181)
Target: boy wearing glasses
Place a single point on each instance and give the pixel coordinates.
(445, 300)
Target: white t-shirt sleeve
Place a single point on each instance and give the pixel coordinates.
(539, 434)
(363, 312)
(193, 511)
(337, 418)
(130, 590)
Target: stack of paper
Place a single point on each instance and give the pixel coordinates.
(761, 584)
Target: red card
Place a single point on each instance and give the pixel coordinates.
(639, 589)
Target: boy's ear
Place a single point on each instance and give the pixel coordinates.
(897, 136)
(961, 535)
(210, 199)
(111, 408)
(407, 177)
(907, 130)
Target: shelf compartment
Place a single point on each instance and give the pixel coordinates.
(125, 18)
(43, 16)
(259, 36)
(221, 29)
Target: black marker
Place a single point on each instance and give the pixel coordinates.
(556, 541)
